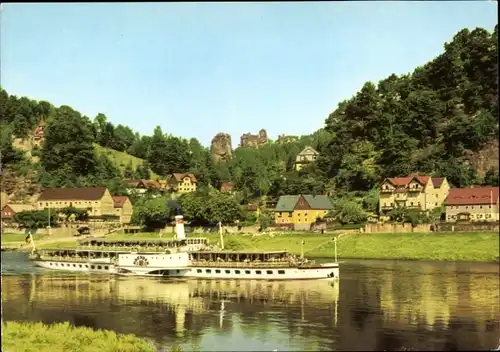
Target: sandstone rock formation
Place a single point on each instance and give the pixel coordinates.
(283, 138)
(221, 147)
(485, 159)
(249, 140)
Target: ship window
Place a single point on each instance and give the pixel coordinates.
(106, 267)
(86, 266)
(217, 271)
(74, 266)
(208, 271)
(228, 271)
(80, 265)
(281, 272)
(247, 271)
(92, 267)
(178, 271)
(199, 271)
(269, 272)
(258, 272)
(50, 263)
(99, 267)
(236, 271)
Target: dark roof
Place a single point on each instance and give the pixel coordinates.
(287, 203)
(179, 177)
(472, 196)
(226, 186)
(437, 181)
(86, 193)
(422, 179)
(119, 201)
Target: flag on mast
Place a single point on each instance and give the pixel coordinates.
(28, 237)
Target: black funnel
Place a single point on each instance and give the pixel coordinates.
(173, 204)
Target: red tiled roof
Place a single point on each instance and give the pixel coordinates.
(119, 201)
(180, 176)
(226, 186)
(472, 196)
(423, 179)
(437, 181)
(84, 193)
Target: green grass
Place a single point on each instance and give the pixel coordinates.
(446, 246)
(121, 159)
(19, 237)
(65, 244)
(38, 337)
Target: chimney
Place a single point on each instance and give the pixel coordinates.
(179, 227)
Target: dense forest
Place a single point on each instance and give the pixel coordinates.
(436, 120)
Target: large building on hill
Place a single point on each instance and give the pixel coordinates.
(472, 204)
(305, 157)
(96, 200)
(182, 183)
(301, 210)
(415, 192)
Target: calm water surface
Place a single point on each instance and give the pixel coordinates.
(376, 305)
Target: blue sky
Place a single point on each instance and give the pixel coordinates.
(197, 69)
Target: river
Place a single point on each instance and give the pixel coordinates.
(375, 305)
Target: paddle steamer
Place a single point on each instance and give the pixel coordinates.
(181, 258)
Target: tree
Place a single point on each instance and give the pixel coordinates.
(348, 212)
(68, 144)
(153, 213)
(158, 153)
(36, 219)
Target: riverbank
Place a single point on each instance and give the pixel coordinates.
(24, 337)
(435, 246)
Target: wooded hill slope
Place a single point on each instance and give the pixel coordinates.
(441, 119)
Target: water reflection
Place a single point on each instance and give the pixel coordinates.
(157, 308)
(376, 305)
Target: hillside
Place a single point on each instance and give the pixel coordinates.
(441, 119)
(122, 159)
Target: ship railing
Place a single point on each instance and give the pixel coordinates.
(252, 264)
(123, 249)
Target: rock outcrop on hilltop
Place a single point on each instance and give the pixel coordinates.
(221, 147)
(283, 138)
(249, 140)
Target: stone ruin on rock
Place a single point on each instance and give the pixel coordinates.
(221, 147)
(249, 140)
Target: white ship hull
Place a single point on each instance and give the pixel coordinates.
(325, 271)
(79, 267)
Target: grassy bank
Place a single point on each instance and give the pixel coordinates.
(31, 337)
(19, 237)
(445, 246)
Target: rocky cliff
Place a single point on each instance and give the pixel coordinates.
(249, 140)
(221, 147)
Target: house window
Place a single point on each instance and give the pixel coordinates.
(258, 272)
(269, 272)
(281, 272)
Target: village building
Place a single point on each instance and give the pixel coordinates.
(472, 204)
(414, 192)
(226, 187)
(142, 186)
(96, 200)
(9, 211)
(301, 210)
(123, 208)
(305, 157)
(182, 183)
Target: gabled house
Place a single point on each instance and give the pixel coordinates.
(416, 192)
(306, 156)
(123, 208)
(301, 210)
(182, 182)
(9, 211)
(226, 187)
(142, 186)
(472, 204)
